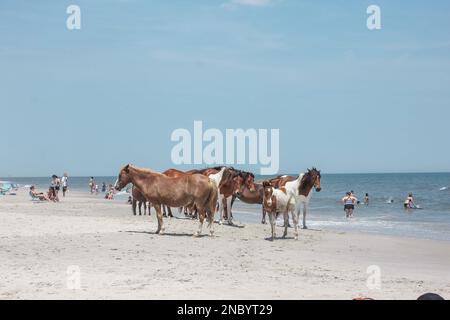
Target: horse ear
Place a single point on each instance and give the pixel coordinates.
(127, 168)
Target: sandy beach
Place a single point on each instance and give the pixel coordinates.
(119, 257)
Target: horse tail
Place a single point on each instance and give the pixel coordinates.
(211, 201)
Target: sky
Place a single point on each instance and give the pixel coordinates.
(345, 99)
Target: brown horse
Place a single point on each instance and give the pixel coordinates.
(173, 192)
(253, 197)
(232, 184)
(173, 173)
(138, 198)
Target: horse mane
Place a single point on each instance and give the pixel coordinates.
(144, 170)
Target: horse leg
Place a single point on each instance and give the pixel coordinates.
(230, 218)
(164, 211)
(134, 206)
(149, 208)
(263, 221)
(220, 208)
(295, 221)
(159, 215)
(201, 215)
(140, 208)
(210, 212)
(145, 208)
(305, 207)
(286, 223)
(272, 224)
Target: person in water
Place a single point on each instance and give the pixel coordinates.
(91, 185)
(409, 202)
(349, 204)
(366, 199)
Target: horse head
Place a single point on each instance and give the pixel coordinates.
(315, 177)
(268, 192)
(311, 179)
(238, 184)
(249, 181)
(123, 178)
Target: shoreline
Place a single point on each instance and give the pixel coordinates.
(119, 257)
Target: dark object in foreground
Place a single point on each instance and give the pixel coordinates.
(430, 296)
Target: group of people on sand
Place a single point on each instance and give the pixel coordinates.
(56, 184)
(349, 201)
(108, 191)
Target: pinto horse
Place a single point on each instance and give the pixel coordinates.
(280, 181)
(279, 201)
(181, 191)
(300, 190)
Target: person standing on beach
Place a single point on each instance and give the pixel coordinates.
(64, 183)
(349, 204)
(54, 187)
(91, 185)
(103, 187)
(366, 199)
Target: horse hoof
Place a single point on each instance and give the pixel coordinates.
(211, 234)
(305, 227)
(196, 235)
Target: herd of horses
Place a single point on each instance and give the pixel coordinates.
(202, 193)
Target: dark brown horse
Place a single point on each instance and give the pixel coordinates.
(138, 198)
(253, 197)
(233, 183)
(174, 192)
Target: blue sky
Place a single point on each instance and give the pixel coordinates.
(345, 99)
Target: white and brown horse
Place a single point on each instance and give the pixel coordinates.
(184, 190)
(301, 190)
(279, 201)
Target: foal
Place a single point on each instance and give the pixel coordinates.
(278, 200)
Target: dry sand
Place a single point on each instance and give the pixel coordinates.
(119, 256)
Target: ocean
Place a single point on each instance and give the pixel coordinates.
(326, 210)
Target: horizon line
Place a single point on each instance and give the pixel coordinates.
(326, 173)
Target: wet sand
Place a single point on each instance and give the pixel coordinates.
(44, 245)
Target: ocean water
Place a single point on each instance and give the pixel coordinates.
(326, 210)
